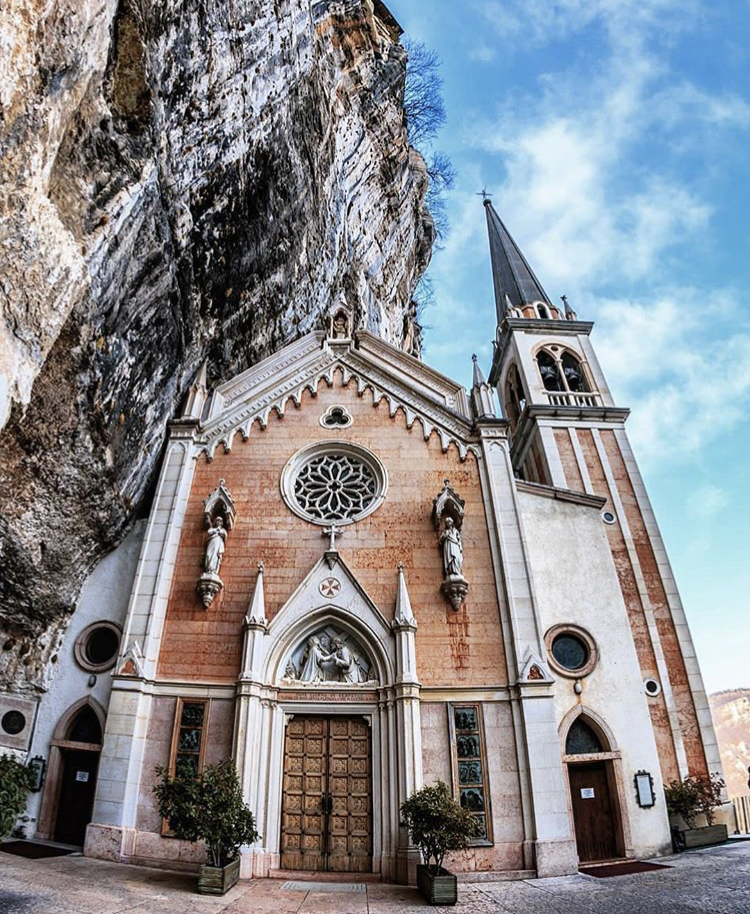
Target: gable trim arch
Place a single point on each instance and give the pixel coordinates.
(597, 724)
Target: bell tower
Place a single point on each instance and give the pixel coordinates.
(567, 433)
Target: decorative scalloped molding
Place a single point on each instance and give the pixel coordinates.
(320, 365)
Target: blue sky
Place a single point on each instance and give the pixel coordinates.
(614, 138)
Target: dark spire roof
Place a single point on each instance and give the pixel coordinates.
(514, 280)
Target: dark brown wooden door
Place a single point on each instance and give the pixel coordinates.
(326, 819)
(593, 813)
(77, 789)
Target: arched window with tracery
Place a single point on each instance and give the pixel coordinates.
(548, 369)
(515, 396)
(562, 372)
(573, 373)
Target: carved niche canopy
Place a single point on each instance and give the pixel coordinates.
(329, 655)
(448, 504)
(220, 504)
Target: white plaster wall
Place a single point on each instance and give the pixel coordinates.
(104, 597)
(575, 582)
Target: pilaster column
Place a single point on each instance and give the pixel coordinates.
(409, 772)
(112, 832)
(543, 791)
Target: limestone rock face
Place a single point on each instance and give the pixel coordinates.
(180, 181)
(731, 713)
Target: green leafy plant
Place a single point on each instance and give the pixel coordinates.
(437, 824)
(15, 783)
(693, 796)
(207, 807)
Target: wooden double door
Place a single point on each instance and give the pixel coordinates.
(326, 809)
(595, 812)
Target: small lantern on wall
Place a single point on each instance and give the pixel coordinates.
(644, 789)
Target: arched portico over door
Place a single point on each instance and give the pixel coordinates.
(593, 766)
(361, 685)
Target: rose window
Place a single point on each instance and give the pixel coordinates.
(333, 483)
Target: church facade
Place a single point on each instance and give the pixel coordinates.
(358, 578)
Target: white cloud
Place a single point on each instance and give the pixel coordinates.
(686, 389)
(707, 501)
(484, 53)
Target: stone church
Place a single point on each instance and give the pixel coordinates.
(358, 577)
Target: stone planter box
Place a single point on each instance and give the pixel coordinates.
(442, 889)
(703, 837)
(218, 880)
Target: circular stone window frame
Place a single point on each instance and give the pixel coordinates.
(576, 631)
(656, 692)
(332, 446)
(609, 517)
(79, 649)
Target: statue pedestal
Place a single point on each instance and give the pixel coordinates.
(455, 587)
(208, 587)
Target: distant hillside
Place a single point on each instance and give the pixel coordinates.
(731, 714)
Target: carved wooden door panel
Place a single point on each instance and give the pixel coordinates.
(349, 787)
(326, 817)
(303, 810)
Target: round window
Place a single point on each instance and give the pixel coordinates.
(13, 722)
(572, 651)
(608, 517)
(97, 646)
(333, 483)
(652, 687)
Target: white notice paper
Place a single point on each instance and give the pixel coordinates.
(82, 776)
(587, 793)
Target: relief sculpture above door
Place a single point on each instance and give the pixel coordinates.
(329, 655)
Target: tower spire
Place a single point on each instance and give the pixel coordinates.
(514, 280)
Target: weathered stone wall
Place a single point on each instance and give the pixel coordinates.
(180, 182)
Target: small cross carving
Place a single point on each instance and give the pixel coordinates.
(333, 531)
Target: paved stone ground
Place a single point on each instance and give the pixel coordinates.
(715, 881)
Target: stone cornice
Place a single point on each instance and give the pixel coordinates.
(579, 498)
(530, 416)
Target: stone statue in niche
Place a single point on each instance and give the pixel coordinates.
(448, 515)
(453, 550)
(329, 656)
(219, 514)
(215, 544)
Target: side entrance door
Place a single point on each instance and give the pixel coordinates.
(593, 813)
(77, 789)
(326, 809)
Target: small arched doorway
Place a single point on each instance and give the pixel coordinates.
(595, 804)
(71, 779)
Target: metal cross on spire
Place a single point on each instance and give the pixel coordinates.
(483, 194)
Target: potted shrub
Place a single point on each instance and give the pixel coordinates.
(437, 824)
(15, 782)
(209, 807)
(692, 797)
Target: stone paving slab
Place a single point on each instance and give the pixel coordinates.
(711, 881)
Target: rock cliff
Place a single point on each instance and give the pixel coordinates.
(731, 713)
(181, 181)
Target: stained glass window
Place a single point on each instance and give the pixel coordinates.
(470, 766)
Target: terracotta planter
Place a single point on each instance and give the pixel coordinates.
(441, 889)
(704, 837)
(218, 880)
